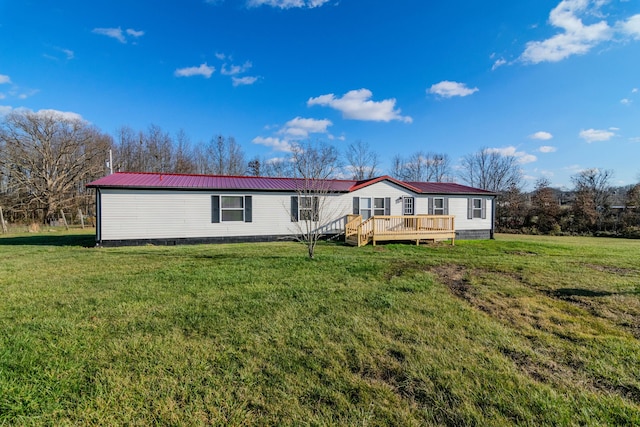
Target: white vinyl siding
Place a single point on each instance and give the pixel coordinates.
(159, 214)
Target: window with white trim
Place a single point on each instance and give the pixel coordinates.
(365, 207)
(232, 208)
(227, 208)
(476, 209)
(378, 206)
(438, 206)
(407, 205)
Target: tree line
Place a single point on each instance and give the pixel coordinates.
(47, 158)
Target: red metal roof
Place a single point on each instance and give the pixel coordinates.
(142, 180)
(447, 188)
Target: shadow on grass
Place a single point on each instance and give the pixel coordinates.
(84, 240)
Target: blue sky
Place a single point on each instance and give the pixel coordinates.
(556, 83)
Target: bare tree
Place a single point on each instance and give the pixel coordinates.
(397, 167)
(631, 216)
(545, 207)
(128, 150)
(314, 165)
(254, 167)
(511, 209)
(183, 156)
(226, 156)
(201, 159)
(153, 150)
(440, 167)
(489, 170)
(594, 184)
(48, 157)
(159, 145)
(281, 167)
(363, 161)
(421, 167)
(415, 168)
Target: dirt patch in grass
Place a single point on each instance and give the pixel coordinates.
(521, 253)
(509, 299)
(454, 276)
(618, 271)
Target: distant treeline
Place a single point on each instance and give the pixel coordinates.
(47, 158)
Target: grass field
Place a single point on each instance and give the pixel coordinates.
(520, 330)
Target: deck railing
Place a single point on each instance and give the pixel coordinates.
(389, 227)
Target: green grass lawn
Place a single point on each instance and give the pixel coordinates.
(519, 330)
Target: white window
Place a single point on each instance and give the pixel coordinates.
(232, 208)
(407, 205)
(438, 206)
(365, 207)
(477, 208)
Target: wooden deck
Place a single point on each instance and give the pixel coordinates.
(386, 228)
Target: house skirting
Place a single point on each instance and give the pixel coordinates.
(473, 234)
(460, 235)
(194, 240)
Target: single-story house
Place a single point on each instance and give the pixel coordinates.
(158, 208)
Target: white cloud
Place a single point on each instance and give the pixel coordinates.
(636, 139)
(595, 135)
(448, 89)
(63, 115)
(117, 33)
(301, 127)
(542, 136)
(634, 90)
(202, 70)
(499, 63)
(235, 69)
(547, 149)
(631, 27)
(357, 105)
(243, 81)
(287, 4)
(57, 114)
(135, 33)
(276, 144)
(576, 38)
(522, 156)
(4, 79)
(625, 101)
(25, 94)
(69, 53)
